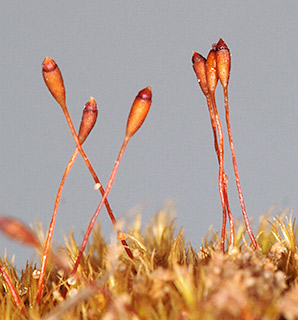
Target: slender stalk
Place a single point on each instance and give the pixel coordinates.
(93, 219)
(213, 124)
(216, 123)
(54, 81)
(11, 288)
(136, 117)
(221, 172)
(87, 123)
(240, 193)
(231, 219)
(47, 245)
(101, 189)
(53, 221)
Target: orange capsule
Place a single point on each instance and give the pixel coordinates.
(223, 61)
(53, 79)
(199, 66)
(212, 77)
(88, 119)
(138, 111)
(18, 231)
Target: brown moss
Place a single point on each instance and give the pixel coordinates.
(167, 279)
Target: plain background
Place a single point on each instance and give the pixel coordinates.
(112, 49)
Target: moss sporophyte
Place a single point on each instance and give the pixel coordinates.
(154, 274)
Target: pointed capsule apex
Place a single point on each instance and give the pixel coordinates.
(195, 57)
(221, 45)
(138, 111)
(88, 119)
(223, 59)
(53, 79)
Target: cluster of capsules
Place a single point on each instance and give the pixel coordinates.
(17, 230)
(208, 71)
(216, 67)
(139, 110)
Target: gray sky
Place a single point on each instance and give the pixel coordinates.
(112, 49)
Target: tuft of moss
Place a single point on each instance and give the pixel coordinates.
(167, 279)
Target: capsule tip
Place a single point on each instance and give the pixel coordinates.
(48, 64)
(91, 105)
(221, 45)
(145, 94)
(196, 57)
